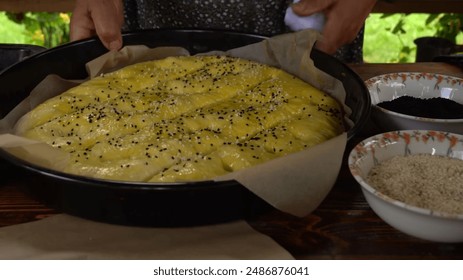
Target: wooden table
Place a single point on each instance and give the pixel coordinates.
(343, 227)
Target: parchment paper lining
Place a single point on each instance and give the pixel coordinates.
(295, 184)
(70, 238)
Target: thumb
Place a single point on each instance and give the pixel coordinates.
(108, 18)
(103, 18)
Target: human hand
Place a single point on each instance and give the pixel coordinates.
(98, 17)
(343, 20)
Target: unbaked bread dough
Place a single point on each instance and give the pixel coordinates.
(183, 118)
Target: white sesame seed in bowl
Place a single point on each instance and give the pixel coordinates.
(413, 180)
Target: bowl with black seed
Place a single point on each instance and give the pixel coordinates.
(415, 100)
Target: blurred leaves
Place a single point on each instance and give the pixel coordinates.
(390, 37)
(448, 26)
(399, 27)
(44, 29)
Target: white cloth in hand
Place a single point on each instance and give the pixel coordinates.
(295, 23)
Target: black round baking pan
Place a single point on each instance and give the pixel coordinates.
(13, 53)
(143, 204)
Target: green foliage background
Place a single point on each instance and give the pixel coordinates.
(43, 29)
(388, 37)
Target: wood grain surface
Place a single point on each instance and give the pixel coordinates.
(342, 227)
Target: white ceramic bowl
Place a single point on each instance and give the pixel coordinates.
(415, 221)
(420, 85)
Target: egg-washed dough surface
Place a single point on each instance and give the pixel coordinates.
(183, 119)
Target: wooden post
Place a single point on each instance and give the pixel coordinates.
(419, 6)
(20, 6)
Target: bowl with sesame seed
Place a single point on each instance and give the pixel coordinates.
(413, 180)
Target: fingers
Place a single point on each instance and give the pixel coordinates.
(339, 29)
(98, 17)
(343, 20)
(334, 37)
(308, 7)
(108, 17)
(81, 25)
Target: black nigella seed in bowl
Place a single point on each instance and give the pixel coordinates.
(436, 107)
